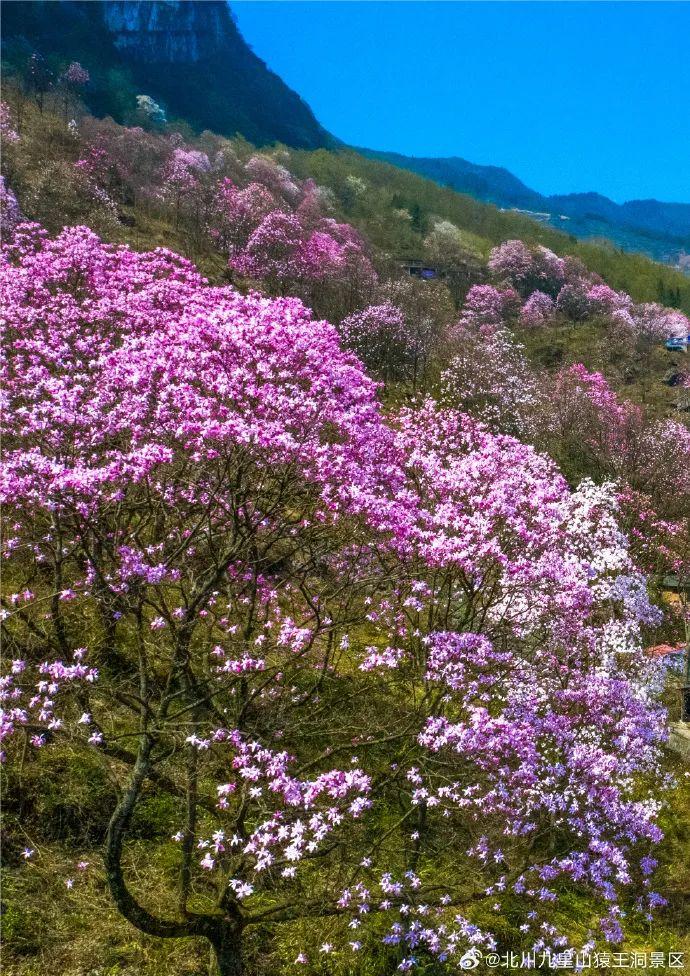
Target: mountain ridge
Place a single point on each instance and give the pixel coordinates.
(656, 226)
(192, 58)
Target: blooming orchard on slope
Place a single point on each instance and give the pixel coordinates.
(390, 664)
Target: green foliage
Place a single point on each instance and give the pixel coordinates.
(389, 189)
(649, 228)
(68, 794)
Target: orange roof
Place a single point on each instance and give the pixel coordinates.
(661, 650)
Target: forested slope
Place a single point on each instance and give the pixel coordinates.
(327, 586)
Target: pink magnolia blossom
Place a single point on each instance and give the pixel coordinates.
(654, 321)
(527, 269)
(444, 638)
(537, 310)
(487, 307)
(8, 133)
(490, 378)
(380, 336)
(605, 300)
(573, 301)
(75, 75)
(10, 213)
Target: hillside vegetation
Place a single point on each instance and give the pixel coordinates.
(189, 56)
(660, 230)
(327, 585)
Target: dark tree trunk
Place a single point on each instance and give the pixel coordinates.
(224, 934)
(227, 951)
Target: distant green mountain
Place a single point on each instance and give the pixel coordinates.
(186, 54)
(661, 230)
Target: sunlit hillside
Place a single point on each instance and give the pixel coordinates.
(346, 545)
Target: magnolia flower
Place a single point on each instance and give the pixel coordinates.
(241, 888)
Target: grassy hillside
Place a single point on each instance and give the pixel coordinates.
(59, 800)
(657, 229)
(390, 190)
(395, 211)
(52, 931)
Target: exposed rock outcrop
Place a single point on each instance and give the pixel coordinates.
(186, 54)
(169, 31)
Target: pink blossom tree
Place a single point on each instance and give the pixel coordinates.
(586, 426)
(128, 158)
(527, 269)
(490, 378)
(537, 310)
(391, 673)
(379, 336)
(572, 301)
(8, 132)
(487, 308)
(10, 212)
(276, 178)
(429, 311)
(249, 437)
(181, 180)
(657, 323)
(604, 300)
(272, 250)
(327, 267)
(237, 213)
(71, 84)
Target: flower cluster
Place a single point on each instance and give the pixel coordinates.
(8, 133)
(75, 75)
(551, 286)
(10, 213)
(279, 233)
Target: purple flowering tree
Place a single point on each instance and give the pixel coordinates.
(181, 180)
(71, 83)
(8, 131)
(380, 337)
(390, 672)
(527, 269)
(10, 212)
(537, 310)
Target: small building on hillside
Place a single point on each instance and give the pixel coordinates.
(417, 268)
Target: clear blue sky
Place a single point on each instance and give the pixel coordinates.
(568, 96)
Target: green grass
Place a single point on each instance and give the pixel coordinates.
(49, 930)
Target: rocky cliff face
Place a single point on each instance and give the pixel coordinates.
(168, 31)
(186, 54)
